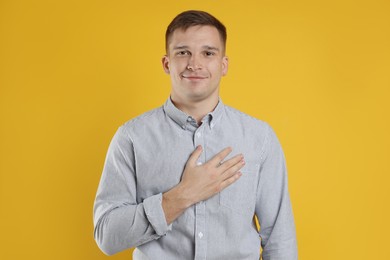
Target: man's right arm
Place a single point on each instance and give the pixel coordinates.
(120, 223)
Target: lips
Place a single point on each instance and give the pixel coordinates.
(194, 77)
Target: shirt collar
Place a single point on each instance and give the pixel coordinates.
(183, 120)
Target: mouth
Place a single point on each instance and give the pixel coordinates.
(194, 77)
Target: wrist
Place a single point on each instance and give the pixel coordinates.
(174, 203)
(179, 197)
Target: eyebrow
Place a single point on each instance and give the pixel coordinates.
(180, 47)
(211, 48)
(207, 47)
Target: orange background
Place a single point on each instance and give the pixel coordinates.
(71, 72)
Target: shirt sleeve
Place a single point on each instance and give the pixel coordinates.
(273, 206)
(119, 221)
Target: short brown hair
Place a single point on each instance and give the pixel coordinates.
(191, 18)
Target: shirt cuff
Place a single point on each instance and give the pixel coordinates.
(155, 214)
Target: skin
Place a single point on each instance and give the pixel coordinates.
(196, 62)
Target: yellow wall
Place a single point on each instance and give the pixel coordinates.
(71, 72)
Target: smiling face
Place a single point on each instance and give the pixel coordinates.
(196, 62)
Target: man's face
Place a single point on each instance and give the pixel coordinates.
(196, 63)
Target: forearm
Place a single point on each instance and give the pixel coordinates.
(287, 253)
(279, 239)
(175, 202)
(129, 226)
(132, 225)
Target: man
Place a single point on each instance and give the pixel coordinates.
(185, 181)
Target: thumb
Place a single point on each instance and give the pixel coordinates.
(195, 155)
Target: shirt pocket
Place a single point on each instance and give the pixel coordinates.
(240, 196)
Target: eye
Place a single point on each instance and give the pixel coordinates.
(183, 53)
(209, 53)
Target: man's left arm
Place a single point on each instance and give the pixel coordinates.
(273, 207)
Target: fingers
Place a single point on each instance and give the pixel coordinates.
(195, 155)
(233, 170)
(218, 158)
(228, 167)
(233, 178)
(237, 161)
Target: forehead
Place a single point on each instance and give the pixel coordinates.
(196, 35)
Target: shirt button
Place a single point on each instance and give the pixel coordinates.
(198, 135)
(200, 235)
(189, 119)
(183, 126)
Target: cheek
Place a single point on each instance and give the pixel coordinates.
(177, 68)
(219, 69)
(179, 62)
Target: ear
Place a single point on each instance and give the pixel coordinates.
(225, 65)
(165, 63)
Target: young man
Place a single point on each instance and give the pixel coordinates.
(185, 181)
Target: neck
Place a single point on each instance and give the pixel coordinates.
(197, 109)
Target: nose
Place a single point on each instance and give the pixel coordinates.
(194, 63)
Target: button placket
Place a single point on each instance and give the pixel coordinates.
(200, 208)
(200, 231)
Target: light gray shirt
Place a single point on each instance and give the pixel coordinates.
(146, 158)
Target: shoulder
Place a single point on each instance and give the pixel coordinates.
(248, 121)
(148, 119)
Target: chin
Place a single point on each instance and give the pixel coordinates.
(200, 96)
